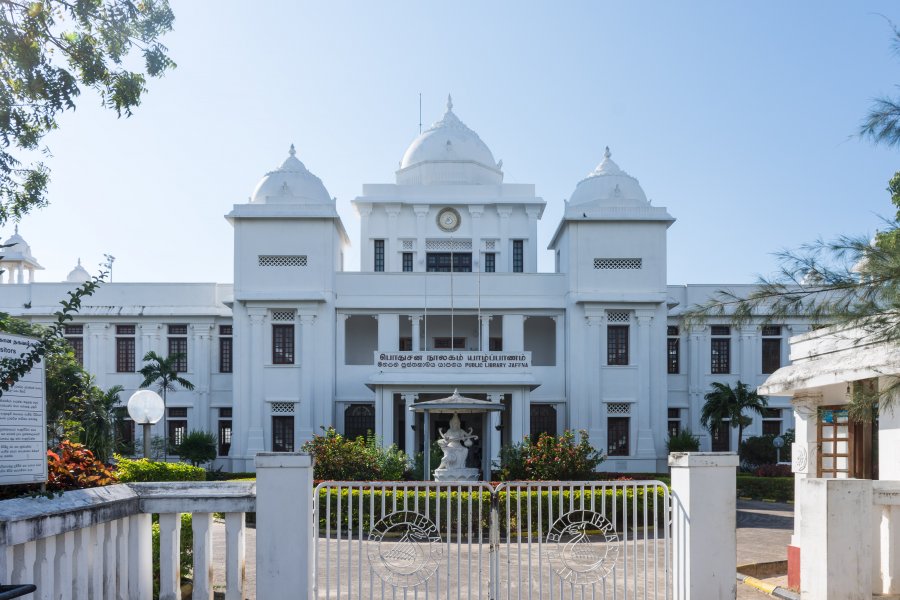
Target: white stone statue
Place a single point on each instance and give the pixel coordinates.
(455, 443)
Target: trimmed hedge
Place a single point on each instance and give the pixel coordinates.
(614, 503)
(128, 470)
(780, 489)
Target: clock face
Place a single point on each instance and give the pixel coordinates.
(448, 219)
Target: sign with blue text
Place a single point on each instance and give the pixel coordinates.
(23, 419)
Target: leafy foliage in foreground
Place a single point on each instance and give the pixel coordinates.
(338, 458)
(49, 51)
(550, 458)
(683, 441)
(71, 466)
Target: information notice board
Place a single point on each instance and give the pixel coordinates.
(23, 419)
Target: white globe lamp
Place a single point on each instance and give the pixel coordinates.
(147, 408)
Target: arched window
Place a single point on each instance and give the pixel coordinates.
(359, 420)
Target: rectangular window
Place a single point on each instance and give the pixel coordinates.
(674, 421)
(124, 355)
(282, 344)
(283, 434)
(518, 256)
(771, 424)
(673, 351)
(495, 344)
(720, 350)
(77, 344)
(543, 420)
(771, 348)
(224, 431)
(407, 262)
(617, 433)
(490, 262)
(379, 255)
(405, 344)
(617, 344)
(178, 345)
(440, 262)
(443, 343)
(176, 425)
(225, 349)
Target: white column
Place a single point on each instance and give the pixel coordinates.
(485, 332)
(410, 419)
(803, 451)
(308, 372)
(694, 370)
(421, 211)
(388, 332)
(704, 539)
(836, 543)
(285, 537)
(416, 323)
(504, 264)
(560, 321)
(645, 447)
(391, 256)
(235, 553)
(518, 419)
(201, 525)
(340, 353)
(169, 556)
(384, 415)
(593, 356)
(494, 432)
(530, 249)
(475, 212)
(140, 562)
(255, 404)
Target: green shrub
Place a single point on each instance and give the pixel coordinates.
(197, 447)
(550, 458)
(130, 470)
(780, 489)
(363, 459)
(683, 441)
(759, 450)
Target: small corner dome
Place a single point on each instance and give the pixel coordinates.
(78, 275)
(291, 183)
(17, 244)
(608, 185)
(449, 153)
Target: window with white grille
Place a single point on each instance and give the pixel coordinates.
(283, 315)
(282, 408)
(296, 260)
(618, 408)
(448, 244)
(618, 263)
(617, 316)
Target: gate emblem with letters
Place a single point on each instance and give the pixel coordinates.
(575, 555)
(404, 549)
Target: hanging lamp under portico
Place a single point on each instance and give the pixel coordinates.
(454, 442)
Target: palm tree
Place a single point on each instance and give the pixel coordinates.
(98, 421)
(725, 403)
(162, 372)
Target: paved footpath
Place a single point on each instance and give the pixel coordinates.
(763, 533)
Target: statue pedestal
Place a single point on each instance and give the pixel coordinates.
(457, 474)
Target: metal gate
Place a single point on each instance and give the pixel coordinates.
(521, 540)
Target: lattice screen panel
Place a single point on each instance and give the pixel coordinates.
(448, 244)
(282, 408)
(618, 263)
(297, 260)
(283, 315)
(618, 408)
(617, 316)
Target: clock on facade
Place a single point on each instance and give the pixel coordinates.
(448, 219)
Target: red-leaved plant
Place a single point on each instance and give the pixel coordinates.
(71, 466)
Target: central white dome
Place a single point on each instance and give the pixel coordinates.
(449, 153)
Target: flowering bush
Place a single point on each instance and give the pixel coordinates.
(364, 459)
(71, 466)
(550, 458)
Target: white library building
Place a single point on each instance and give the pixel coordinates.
(448, 297)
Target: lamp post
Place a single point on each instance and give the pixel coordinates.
(778, 442)
(146, 407)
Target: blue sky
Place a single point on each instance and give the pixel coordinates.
(740, 118)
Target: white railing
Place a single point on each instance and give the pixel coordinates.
(886, 546)
(97, 543)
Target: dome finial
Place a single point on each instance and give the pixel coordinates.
(449, 103)
(607, 153)
(79, 261)
(292, 151)
(16, 229)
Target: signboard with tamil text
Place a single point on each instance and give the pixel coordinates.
(441, 360)
(23, 419)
